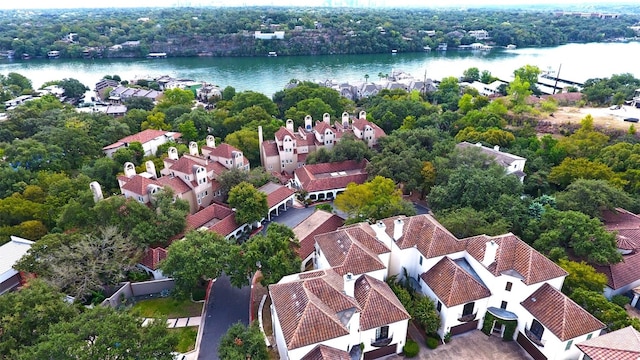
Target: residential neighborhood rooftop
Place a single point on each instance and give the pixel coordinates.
(623, 344)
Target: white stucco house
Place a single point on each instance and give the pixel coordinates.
(10, 253)
(500, 279)
(512, 164)
(150, 139)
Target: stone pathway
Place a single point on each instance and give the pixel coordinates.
(179, 322)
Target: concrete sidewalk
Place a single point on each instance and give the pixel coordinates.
(179, 322)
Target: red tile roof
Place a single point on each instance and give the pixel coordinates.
(177, 185)
(319, 222)
(142, 137)
(313, 308)
(379, 304)
(282, 132)
(515, 257)
(224, 151)
(318, 177)
(361, 123)
(622, 273)
(324, 352)
(270, 148)
(346, 254)
(453, 285)
(623, 344)
(139, 184)
(153, 256)
(563, 317)
(276, 193)
(216, 218)
(426, 234)
(627, 225)
(184, 165)
(321, 126)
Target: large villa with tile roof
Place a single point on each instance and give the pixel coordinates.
(495, 277)
(325, 181)
(289, 150)
(150, 139)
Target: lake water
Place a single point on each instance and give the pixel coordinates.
(270, 74)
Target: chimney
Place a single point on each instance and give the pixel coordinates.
(349, 284)
(129, 169)
(490, 253)
(496, 148)
(363, 115)
(345, 119)
(308, 123)
(398, 227)
(326, 118)
(260, 136)
(96, 190)
(290, 125)
(193, 148)
(151, 169)
(478, 144)
(211, 141)
(173, 153)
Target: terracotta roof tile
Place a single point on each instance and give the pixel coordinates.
(452, 284)
(425, 233)
(143, 137)
(361, 123)
(563, 317)
(345, 254)
(312, 309)
(324, 352)
(139, 184)
(270, 148)
(623, 344)
(217, 218)
(282, 132)
(379, 304)
(516, 258)
(153, 256)
(622, 273)
(321, 126)
(184, 165)
(319, 222)
(276, 193)
(224, 151)
(318, 177)
(620, 219)
(177, 185)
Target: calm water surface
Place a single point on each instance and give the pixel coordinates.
(270, 74)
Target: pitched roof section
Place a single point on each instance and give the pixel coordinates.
(426, 234)
(514, 257)
(379, 304)
(627, 225)
(623, 344)
(11, 252)
(270, 148)
(502, 158)
(346, 254)
(143, 137)
(223, 150)
(216, 218)
(622, 273)
(139, 184)
(185, 165)
(312, 308)
(563, 317)
(324, 352)
(319, 222)
(361, 123)
(329, 176)
(276, 193)
(153, 256)
(452, 284)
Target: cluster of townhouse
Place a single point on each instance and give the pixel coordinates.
(344, 309)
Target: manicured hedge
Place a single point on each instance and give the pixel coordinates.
(411, 349)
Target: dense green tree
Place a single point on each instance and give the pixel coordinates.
(139, 102)
(276, 253)
(105, 333)
(247, 99)
(581, 276)
(28, 314)
(471, 74)
(73, 88)
(580, 168)
(243, 342)
(250, 204)
(528, 74)
(467, 221)
(173, 97)
(591, 197)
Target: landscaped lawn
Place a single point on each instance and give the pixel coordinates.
(187, 338)
(167, 307)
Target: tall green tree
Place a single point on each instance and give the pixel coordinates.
(242, 342)
(591, 197)
(250, 204)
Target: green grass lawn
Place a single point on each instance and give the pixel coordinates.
(167, 307)
(187, 338)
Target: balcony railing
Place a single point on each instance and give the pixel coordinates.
(467, 318)
(534, 338)
(382, 342)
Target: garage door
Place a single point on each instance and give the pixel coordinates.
(471, 325)
(374, 354)
(529, 347)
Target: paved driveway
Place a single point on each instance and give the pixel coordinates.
(227, 305)
(475, 345)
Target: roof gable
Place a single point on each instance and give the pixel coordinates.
(452, 284)
(563, 317)
(323, 352)
(623, 344)
(319, 222)
(379, 304)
